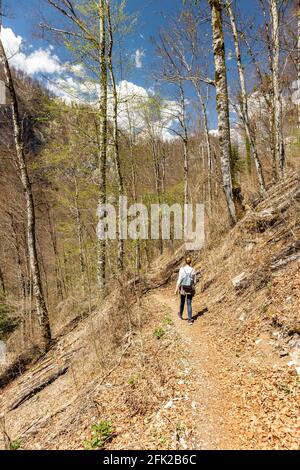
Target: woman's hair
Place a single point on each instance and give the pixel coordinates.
(188, 260)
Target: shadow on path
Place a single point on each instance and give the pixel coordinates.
(200, 314)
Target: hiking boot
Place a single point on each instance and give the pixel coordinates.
(179, 316)
(191, 322)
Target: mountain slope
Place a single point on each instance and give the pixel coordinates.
(225, 382)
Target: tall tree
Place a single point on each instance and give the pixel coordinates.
(298, 65)
(92, 39)
(222, 104)
(268, 92)
(275, 24)
(183, 41)
(174, 73)
(120, 180)
(244, 111)
(207, 142)
(102, 138)
(42, 311)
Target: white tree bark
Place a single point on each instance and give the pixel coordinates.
(269, 101)
(208, 143)
(185, 143)
(121, 250)
(298, 66)
(280, 150)
(222, 104)
(133, 167)
(102, 142)
(30, 208)
(244, 102)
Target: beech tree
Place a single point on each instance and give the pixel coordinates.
(102, 139)
(97, 50)
(42, 311)
(244, 110)
(173, 74)
(116, 145)
(279, 140)
(222, 104)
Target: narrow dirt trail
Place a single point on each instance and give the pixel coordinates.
(216, 421)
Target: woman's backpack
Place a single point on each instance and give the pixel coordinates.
(187, 283)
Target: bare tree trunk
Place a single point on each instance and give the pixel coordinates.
(157, 168)
(103, 143)
(157, 176)
(30, 208)
(203, 170)
(58, 274)
(280, 150)
(163, 175)
(244, 103)
(2, 282)
(120, 257)
(79, 234)
(21, 276)
(222, 105)
(208, 144)
(133, 173)
(270, 102)
(298, 66)
(185, 144)
(131, 144)
(268, 99)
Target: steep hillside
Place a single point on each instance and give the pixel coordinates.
(229, 381)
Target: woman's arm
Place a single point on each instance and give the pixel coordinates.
(178, 281)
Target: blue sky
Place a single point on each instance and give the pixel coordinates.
(23, 17)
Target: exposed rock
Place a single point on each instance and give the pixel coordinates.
(288, 255)
(240, 281)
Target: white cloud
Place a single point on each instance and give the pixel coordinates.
(138, 58)
(10, 41)
(72, 90)
(214, 132)
(69, 83)
(236, 136)
(38, 61)
(133, 100)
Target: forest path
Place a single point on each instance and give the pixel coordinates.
(217, 423)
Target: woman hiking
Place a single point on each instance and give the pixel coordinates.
(186, 286)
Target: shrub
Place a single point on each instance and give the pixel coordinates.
(159, 332)
(15, 445)
(102, 433)
(168, 321)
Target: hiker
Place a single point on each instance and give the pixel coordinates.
(186, 286)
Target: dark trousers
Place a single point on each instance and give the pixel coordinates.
(188, 299)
